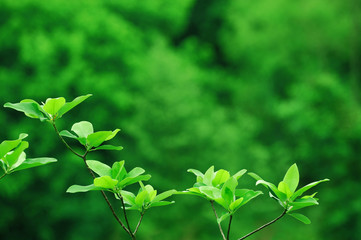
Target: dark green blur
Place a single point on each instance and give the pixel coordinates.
(235, 84)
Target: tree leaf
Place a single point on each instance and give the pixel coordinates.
(302, 203)
(12, 159)
(236, 204)
(30, 109)
(239, 174)
(228, 190)
(8, 145)
(118, 170)
(271, 187)
(140, 198)
(160, 204)
(97, 138)
(111, 136)
(223, 217)
(163, 195)
(128, 181)
(195, 172)
(300, 217)
(283, 187)
(83, 129)
(34, 162)
(108, 147)
(300, 191)
(292, 178)
(221, 177)
(99, 168)
(211, 192)
(70, 105)
(129, 197)
(78, 188)
(53, 105)
(135, 172)
(66, 133)
(105, 182)
(208, 176)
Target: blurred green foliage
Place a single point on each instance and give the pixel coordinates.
(236, 84)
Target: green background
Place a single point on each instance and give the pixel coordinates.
(235, 84)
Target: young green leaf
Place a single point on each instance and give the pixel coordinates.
(283, 187)
(70, 105)
(53, 105)
(30, 109)
(13, 158)
(223, 217)
(107, 147)
(302, 203)
(105, 182)
(300, 191)
(8, 145)
(228, 190)
(163, 195)
(236, 204)
(97, 138)
(118, 170)
(78, 188)
(83, 129)
(99, 168)
(221, 177)
(34, 162)
(208, 176)
(239, 174)
(300, 217)
(291, 178)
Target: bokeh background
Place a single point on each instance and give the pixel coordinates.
(192, 83)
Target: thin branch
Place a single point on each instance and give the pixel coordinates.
(267, 224)
(219, 224)
(124, 212)
(229, 226)
(139, 222)
(63, 140)
(93, 175)
(2, 175)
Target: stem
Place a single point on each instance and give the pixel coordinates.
(2, 175)
(91, 172)
(124, 212)
(229, 226)
(219, 224)
(267, 224)
(140, 221)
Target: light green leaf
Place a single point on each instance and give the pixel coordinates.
(105, 182)
(78, 188)
(221, 177)
(70, 105)
(53, 105)
(228, 190)
(283, 187)
(128, 181)
(208, 176)
(83, 129)
(255, 176)
(160, 204)
(223, 217)
(34, 162)
(111, 136)
(66, 133)
(292, 178)
(300, 191)
(280, 195)
(211, 192)
(236, 204)
(163, 195)
(99, 168)
(129, 197)
(135, 172)
(300, 217)
(30, 109)
(97, 138)
(118, 170)
(108, 147)
(195, 172)
(8, 145)
(140, 198)
(302, 203)
(239, 174)
(12, 159)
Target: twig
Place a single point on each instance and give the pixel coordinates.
(229, 226)
(139, 222)
(219, 224)
(267, 224)
(91, 172)
(3, 175)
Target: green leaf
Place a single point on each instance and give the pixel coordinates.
(302, 203)
(111, 136)
(8, 145)
(99, 168)
(208, 176)
(105, 182)
(160, 204)
(228, 190)
(300, 191)
(223, 217)
(118, 171)
(239, 174)
(78, 188)
(70, 105)
(236, 204)
(108, 147)
(280, 195)
(34, 162)
(300, 217)
(283, 187)
(247, 195)
(30, 109)
(83, 129)
(255, 176)
(13, 159)
(129, 197)
(163, 195)
(292, 178)
(66, 133)
(210, 192)
(195, 172)
(221, 177)
(135, 172)
(53, 105)
(128, 181)
(97, 138)
(140, 198)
